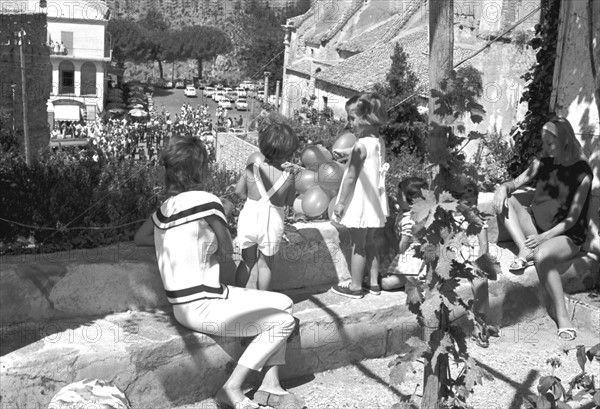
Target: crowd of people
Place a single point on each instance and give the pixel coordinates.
(143, 138)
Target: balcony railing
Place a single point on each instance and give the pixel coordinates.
(81, 52)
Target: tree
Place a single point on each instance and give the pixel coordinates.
(126, 41)
(202, 43)
(154, 29)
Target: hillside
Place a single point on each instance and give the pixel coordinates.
(217, 13)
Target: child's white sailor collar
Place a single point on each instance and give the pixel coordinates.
(187, 207)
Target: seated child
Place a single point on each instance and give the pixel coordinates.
(403, 264)
(467, 196)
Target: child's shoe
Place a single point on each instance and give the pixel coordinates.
(344, 290)
(372, 289)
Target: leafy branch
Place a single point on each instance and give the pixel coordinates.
(552, 393)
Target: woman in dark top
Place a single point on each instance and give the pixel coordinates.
(554, 227)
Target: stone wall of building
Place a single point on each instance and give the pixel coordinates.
(232, 152)
(38, 76)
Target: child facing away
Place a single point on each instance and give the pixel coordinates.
(361, 204)
(194, 253)
(404, 265)
(267, 188)
(467, 194)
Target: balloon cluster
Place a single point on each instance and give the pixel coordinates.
(318, 183)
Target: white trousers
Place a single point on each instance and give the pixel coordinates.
(246, 312)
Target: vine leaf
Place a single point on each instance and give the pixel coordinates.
(424, 208)
(538, 402)
(594, 352)
(596, 398)
(399, 372)
(447, 289)
(581, 357)
(489, 265)
(429, 308)
(474, 374)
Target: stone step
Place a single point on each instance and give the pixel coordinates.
(160, 364)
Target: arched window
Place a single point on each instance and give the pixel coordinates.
(88, 79)
(66, 78)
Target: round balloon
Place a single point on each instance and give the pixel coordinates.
(255, 157)
(312, 156)
(298, 205)
(305, 179)
(330, 176)
(326, 154)
(315, 201)
(344, 141)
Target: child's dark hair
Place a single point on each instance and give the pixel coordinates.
(465, 188)
(411, 186)
(277, 141)
(186, 163)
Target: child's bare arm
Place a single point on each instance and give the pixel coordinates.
(291, 191)
(241, 188)
(224, 250)
(357, 160)
(405, 242)
(144, 237)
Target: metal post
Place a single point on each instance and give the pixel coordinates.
(24, 96)
(266, 95)
(12, 89)
(277, 96)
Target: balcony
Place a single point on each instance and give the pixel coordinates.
(57, 50)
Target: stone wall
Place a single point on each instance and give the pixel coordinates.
(232, 152)
(38, 76)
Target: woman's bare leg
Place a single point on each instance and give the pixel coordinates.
(519, 224)
(546, 257)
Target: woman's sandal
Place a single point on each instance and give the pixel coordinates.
(567, 334)
(519, 265)
(273, 400)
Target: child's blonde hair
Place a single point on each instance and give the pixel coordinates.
(367, 109)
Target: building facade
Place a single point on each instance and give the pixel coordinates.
(80, 54)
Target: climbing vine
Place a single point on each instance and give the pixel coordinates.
(527, 136)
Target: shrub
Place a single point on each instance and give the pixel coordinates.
(72, 199)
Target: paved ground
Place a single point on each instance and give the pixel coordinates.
(516, 360)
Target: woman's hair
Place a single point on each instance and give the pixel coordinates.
(411, 186)
(570, 147)
(367, 109)
(277, 141)
(464, 189)
(186, 163)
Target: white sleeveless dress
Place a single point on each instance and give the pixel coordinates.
(367, 206)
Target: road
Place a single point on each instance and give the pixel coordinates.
(173, 99)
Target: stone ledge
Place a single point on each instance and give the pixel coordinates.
(152, 358)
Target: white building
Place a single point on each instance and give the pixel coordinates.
(79, 54)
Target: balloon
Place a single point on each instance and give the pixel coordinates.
(315, 201)
(255, 157)
(312, 156)
(344, 141)
(305, 179)
(325, 153)
(330, 176)
(298, 205)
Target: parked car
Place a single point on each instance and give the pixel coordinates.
(241, 104)
(260, 95)
(241, 92)
(239, 132)
(217, 96)
(248, 85)
(209, 91)
(224, 103)
(180, 84)
(168, 84)
(190, 91)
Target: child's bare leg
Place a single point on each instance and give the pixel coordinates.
(358, 260)
(264, 271)
(372, 258)
(242, 273)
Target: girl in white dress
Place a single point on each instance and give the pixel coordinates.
(362, 202)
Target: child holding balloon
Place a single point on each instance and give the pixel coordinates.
(267, 188)
(361, 203)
